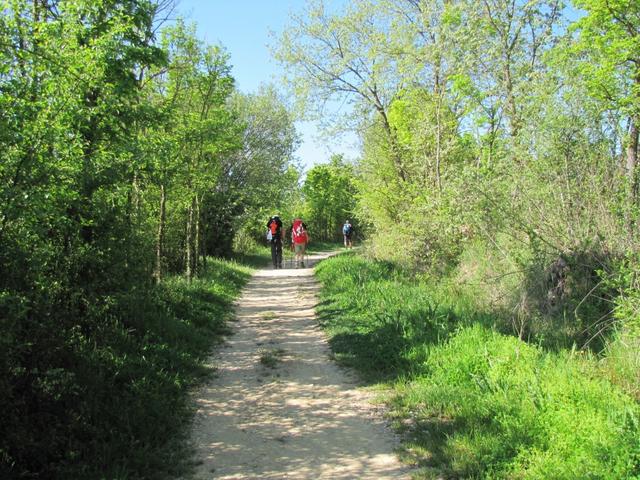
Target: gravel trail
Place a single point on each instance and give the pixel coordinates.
(279, 407)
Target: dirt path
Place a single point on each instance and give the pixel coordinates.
(302, 419)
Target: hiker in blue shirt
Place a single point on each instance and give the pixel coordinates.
(347, 232)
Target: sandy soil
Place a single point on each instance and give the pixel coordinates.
(305, 417)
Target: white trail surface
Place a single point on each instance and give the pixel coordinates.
(304, 419)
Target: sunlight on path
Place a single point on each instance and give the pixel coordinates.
(279, 407)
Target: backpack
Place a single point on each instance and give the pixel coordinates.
(298, 232)
(347, 229)
(272, 230)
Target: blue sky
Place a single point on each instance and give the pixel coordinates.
(242, 27)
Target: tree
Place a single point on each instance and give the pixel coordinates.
(71, 106)
(334, 58)
(330, 196)
(608, 47)
(261, 178)
(199, 130)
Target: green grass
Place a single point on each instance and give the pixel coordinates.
(379, 321)
(314, 247)
(119, 407)
(271, 357)
(470, 401)
(151, 364)
(258, 256)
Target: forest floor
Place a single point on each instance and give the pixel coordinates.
(279, 407)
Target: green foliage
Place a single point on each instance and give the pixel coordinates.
(427, 212)
(69, 253)
(333, 57)
(624, 278)
(112, 145)
(609, 45)
(261, 179)
(108, 398)
(329, 198)
(505, 174)
(523, 141)
(622, 360)
(186, 149)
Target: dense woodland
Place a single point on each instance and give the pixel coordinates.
(499, 158)
(499, 144)
(128, 157)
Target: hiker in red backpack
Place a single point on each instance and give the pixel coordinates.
(274, 236)
(299, 240)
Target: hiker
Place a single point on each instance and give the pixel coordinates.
(347, 232)
(299, 240)
(274, 236)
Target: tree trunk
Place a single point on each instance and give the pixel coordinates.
(632, 159)
(511, 101)
(136, 195)
(196, 240)
(395, 148)
(203, 235)
(188, 244)
(493, 127)
(438, 142)
(631, 172)
(157, 274)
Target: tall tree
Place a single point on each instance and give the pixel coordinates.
(261, 178)
(338, 58)
(198, 132)
(608, 49)
(71, 104)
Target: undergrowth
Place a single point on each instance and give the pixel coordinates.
(317, 246)
(473, 402)
(113, 402)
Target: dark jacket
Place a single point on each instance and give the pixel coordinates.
(278, 234)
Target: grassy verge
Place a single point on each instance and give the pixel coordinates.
(314, 247)
(118, 407)
(472, 402)
(258, 256)
(153, 362)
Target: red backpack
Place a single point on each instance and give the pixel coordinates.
(298, 232)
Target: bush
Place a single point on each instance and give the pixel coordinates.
(106, 397)
(556, 301)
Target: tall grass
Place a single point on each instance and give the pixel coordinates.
(118, 408)
(473, 402)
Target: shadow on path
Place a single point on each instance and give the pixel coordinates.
(296, 416)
